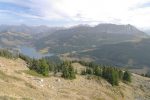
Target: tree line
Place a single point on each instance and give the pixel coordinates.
(6, 53)
(45, 66)
(146, 75)
(112, 74)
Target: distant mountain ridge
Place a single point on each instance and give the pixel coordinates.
(118, 29)
(73, 38)
(41, 30)
(14, 35)
(108, 28)
(83, 36)
(108, 43)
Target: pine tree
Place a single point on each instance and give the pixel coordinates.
(65, 72)
(116, 74)
(120, 75)
(71, 72)
(111, 75)
(83, 72)
(89, 71)
(35, 65)
(127, 76)
(112, 78)
(97, 71)
(44, 68)
(68, 71)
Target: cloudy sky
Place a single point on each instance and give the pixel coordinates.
(73, 12)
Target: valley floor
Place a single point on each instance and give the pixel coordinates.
(15, 84)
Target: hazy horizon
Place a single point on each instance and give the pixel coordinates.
(70, 13)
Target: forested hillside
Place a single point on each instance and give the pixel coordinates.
(24, 79)
(130, 54)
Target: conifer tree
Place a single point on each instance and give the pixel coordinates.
(44, 68)
(68, 71)
(83, 72)
(120, 75)
(127, 76)
(89, 71)
(71, 72)
(97, 71)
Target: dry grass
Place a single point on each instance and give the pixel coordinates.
(7, 78)
(33, 73)
(18, 83)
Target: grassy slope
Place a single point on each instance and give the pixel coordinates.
(15, 84)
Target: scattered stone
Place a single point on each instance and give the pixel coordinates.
(41, 85)
(41, 80)
(57, 80)
(52, 87)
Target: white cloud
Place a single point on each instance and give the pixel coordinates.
(90, 11)
(113, 11)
